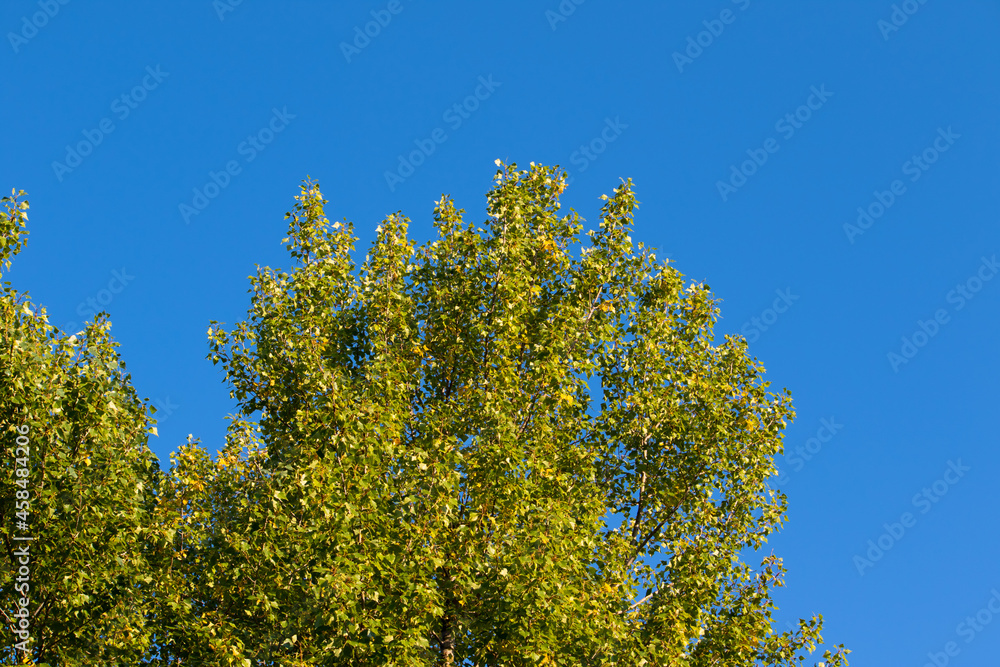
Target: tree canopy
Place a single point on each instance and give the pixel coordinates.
(511, 445)
(70, 418)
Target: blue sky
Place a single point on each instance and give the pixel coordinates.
(161, 146)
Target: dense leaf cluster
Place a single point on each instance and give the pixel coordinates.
(92, 481)
(509, 446)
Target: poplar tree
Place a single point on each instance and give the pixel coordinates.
(77, 479)
(517, 444)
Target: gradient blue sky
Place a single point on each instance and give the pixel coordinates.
(927, 87)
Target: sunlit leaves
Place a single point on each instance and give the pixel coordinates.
(430, 461)
(516, 444)
(92, 481)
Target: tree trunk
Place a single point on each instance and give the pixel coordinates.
(447, 636)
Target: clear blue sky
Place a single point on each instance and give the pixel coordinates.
(833, 110)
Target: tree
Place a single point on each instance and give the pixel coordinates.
(505, 447)
(76, 475)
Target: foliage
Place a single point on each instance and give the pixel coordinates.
(509, 446)
(91, 483)
(505, 447)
